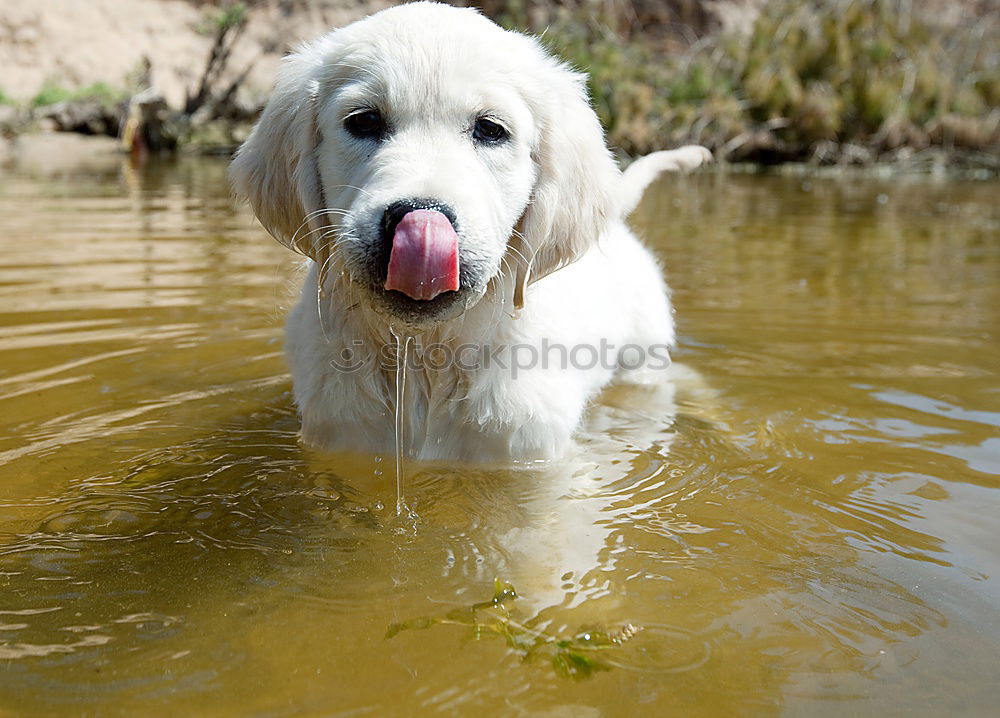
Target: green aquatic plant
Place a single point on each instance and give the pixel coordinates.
(577, 656)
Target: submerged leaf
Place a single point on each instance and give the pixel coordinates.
(573, 664)
(412, 624)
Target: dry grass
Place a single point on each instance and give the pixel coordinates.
(830, 81)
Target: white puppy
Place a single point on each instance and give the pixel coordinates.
(449, 180)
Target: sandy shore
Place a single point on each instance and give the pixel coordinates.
(76, 43)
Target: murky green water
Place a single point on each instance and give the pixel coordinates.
(810, 528)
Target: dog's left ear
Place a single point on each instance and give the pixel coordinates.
(575, 195)
(275, 169)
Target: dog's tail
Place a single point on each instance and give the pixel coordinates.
(644, 170)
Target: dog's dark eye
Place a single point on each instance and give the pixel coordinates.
(366, 125)
(486, 130)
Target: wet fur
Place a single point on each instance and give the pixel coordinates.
(544, 248)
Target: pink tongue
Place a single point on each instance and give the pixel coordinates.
(424, 258)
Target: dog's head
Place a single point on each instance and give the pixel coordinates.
(424, 152)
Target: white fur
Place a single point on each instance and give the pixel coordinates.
(541, 217)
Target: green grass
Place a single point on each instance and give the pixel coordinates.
(52, 92)
(223, 19)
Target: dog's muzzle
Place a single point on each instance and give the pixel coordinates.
(416, 267)
(423, 250)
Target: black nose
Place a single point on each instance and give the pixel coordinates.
(397, 210)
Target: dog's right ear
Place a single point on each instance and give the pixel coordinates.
(575, 193)
(275, 169)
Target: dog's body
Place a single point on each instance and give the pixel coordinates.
(449, 180)
(487, 412)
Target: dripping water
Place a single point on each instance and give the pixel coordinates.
(402, 357)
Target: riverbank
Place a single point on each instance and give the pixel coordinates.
(911, 85)
(826, 82)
